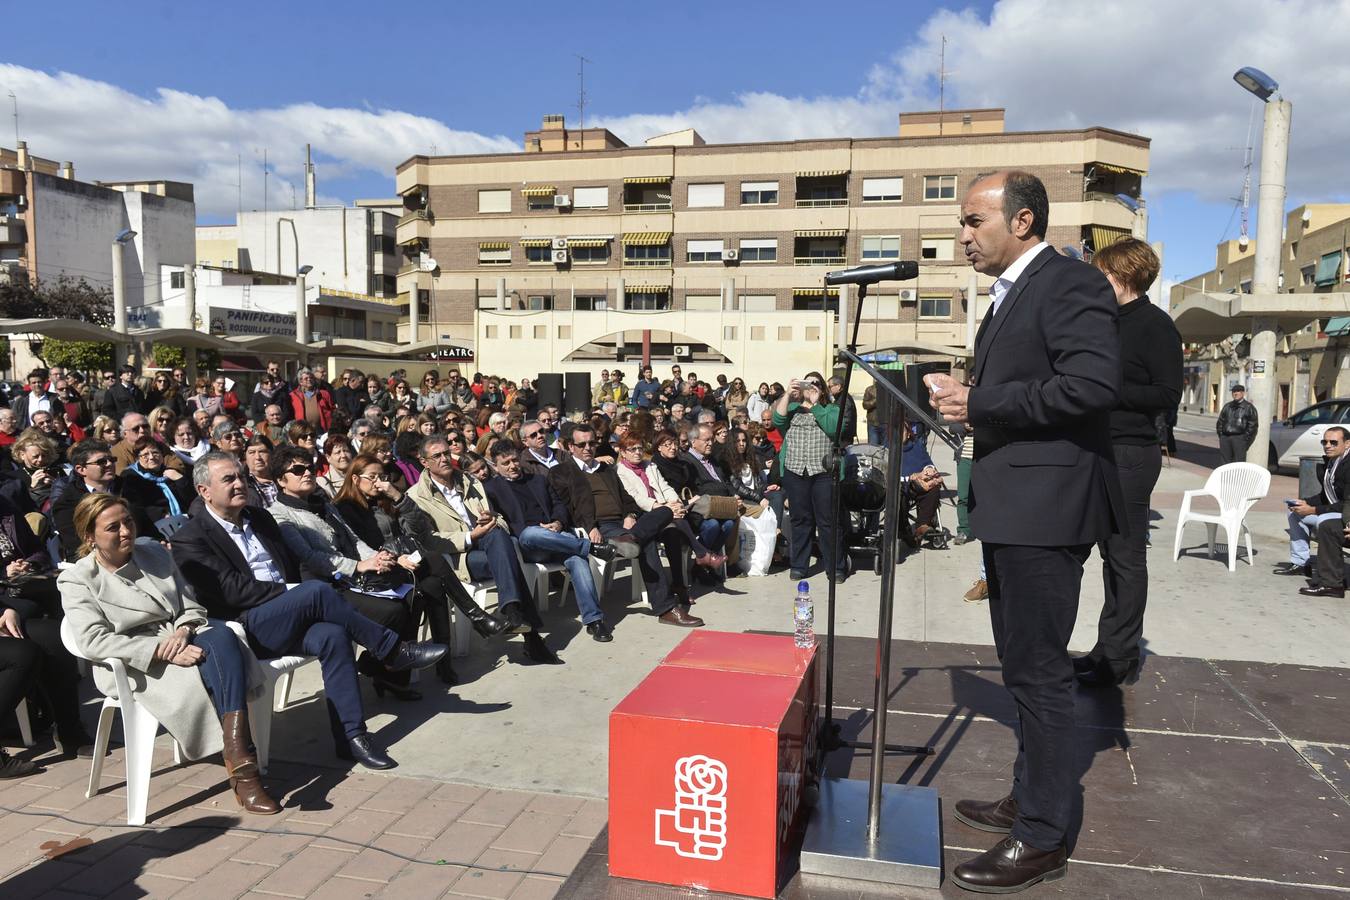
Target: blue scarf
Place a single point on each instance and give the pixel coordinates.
(174, 508)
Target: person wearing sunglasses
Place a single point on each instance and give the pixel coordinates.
(1306, 513)
(94, 473)
(134, 427)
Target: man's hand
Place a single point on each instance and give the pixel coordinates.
(554, 526)
(949, 396)
(629, 522)
(10, 626)
(1303, 509)
(595, 537)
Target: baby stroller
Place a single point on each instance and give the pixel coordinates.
(862, 501)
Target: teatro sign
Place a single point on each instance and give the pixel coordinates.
(230, 321)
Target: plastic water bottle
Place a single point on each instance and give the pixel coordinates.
(804, 617)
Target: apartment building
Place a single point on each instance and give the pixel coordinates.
(690, 250)
(1312, 364)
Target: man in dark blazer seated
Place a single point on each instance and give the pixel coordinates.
(1043, 490)
(599, 504)
(236, 560)
(93, 463)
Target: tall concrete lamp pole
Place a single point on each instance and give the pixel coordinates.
(1269, 238)
(301, 310)
(120, 293)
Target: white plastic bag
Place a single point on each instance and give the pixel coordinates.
(758, 536)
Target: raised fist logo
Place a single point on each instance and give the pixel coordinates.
(697, 826)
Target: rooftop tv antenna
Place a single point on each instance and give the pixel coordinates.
(942, 82)
(581, 92)
(1243, 239)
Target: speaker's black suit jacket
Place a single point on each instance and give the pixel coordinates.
(1047, 374)
(211, 562)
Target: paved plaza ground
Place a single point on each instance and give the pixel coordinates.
(1224, 772)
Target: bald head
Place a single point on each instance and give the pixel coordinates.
(1003, 215)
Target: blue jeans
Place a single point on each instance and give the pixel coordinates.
(713, 533)
(312, 619)
(222, 670)
(1300, 527)
(539, 544)
(876, 435)
(494, 556)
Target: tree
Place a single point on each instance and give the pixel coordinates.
(85, 356)
(168, 356)
(62, 298)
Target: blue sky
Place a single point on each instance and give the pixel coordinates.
(177, 90)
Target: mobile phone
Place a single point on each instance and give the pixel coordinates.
(416, 557)
(1291, 503)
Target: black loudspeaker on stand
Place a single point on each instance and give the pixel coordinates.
(577, 395)
(549, 385)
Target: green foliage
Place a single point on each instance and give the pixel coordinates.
(63, 298)
(83, 355)
(166, 356)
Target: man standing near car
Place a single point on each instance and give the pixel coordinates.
(1236, 427)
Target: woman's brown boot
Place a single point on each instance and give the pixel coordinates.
(242, 766)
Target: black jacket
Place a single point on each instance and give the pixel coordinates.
(510, 498)
(63, 515)
(1340, 485)
(20, 407)
(217, 571)
(1047, 375)
(1237, 417)
(122, 399)
(1150, 361)
(571, 485)
(352, 402)
(148, 501)
(705, 483)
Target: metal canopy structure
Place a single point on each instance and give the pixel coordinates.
(1206, 318)
(64, 330)
(358, 347)
(266, 343)
(182, 337)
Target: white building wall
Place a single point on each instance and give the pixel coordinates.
(337, 242)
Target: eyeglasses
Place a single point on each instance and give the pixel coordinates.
(444, 454)
(141, 427)
(300, 469)
(1331, 443)
(111, 429)
(585, 443)
(101, 461)
(383, 476)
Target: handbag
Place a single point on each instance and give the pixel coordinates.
(715, 507)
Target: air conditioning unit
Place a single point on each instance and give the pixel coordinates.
(560, 243)
(731, 255)
(681, 351)
(560, 257)
(562, 200)
(907, 296)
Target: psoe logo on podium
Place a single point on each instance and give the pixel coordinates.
(697, 826)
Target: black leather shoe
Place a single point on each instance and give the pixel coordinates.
(997, 816)
(515, 622)
(1104, 676)
(414, 655)
(362, 749)
(485, 623)
(1320, 591)
(17, 768)
(536, 651)
(603, 552)
(1288, 568)
(1010, 866)
(600, 631)
(797, 574)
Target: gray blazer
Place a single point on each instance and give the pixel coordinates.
(321, 548)
(124, 615)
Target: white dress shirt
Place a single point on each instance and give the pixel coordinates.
(456, 501)
(253, 550)
(588, 469)
(37, 402)
(547, 462)
(1000, 288)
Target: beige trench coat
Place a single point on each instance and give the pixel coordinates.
(124, 615)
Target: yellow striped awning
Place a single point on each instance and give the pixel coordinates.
(646, 238)
(1102, 236)
(1120, 170)
(822, 173)
(536, 242)
(821, 232)
(647, 179)
(646, 288)
(587, 242)
(538, 190)
(814, 292)
(494, 245)
(412, 239)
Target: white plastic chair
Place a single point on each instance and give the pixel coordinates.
(25, 726)
(276, 671)
(1237, 487)
(138, 729)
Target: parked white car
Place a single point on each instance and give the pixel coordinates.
(1301, 434)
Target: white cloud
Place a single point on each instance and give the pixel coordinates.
(112, 134)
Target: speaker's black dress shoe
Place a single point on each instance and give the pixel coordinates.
(1320, 591)
(600, 631)
(797, 574)
(997, 816)
(414, 655)
(1010, 866)
(362, 749)
(1083, 664)
(536, 651)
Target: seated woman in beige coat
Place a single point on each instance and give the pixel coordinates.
(125, 599)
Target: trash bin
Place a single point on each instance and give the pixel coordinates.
(1309, 485)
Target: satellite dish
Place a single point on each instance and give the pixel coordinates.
(428, 264)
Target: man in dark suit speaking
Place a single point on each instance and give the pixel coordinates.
(1043, 490)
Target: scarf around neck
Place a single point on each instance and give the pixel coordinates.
(174, 508)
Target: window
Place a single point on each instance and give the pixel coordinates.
(423, 305)
(494, 257)
(785, 332)
(1245, 286)
(515, 332)
(939, 187)
(590, 198)
(591, 301)
(728, 332)
(759, 193)
(494, 201)
(176, 280)
(758, 303)
(646, 254)
(537, 202)
(591, 255)
(812, 304)
(538, 302)
(380, 243)
(707, 195)
(490, 332)
(1322, 412)
(1306, 275)
(881, 248)
(648, 301)
(937, 248)
(704, 251)
(878, 190)
(540, 332)
(935, 306)
(538, 255)
(765, 250)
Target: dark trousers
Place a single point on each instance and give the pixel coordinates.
(963, 467)
(1125, 563)
(649, 527)
(809, 505)
(1233, 448)
(1033, 601)
(37, 598)
(222, 670)
(494, 556)
(313, 620)
(41, 661)
(1330, 558)
(396, 615)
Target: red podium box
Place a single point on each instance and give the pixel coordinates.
(708, 762)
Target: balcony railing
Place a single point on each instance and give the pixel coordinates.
(645, 263)
(414, 216)
(818, 260)
(831, 201)
(646, 207)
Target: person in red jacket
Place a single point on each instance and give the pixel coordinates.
(229, 400)
(310, 403)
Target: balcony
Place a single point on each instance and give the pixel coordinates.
(648, 263)
(818, 260)
(648, 193)
(416, 215)
(822, 188)
(819, 247)
(13, 230)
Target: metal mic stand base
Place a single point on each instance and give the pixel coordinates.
(831, 740)
(907, 851)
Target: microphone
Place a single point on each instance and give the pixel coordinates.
(896, 271)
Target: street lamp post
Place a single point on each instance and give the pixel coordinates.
(1269, 239)
(301, 310)
(120, 292)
